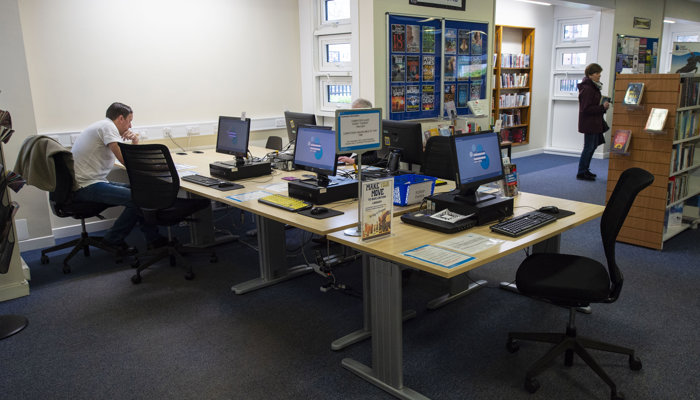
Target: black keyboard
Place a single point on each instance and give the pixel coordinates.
(523, 224)
(202, 180)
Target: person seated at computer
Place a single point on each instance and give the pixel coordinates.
(370, 157)
(94, 153)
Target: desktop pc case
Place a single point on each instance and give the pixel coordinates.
(232, 172)
(308, 190)
(486, 211)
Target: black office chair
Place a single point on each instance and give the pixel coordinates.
(576, 281)
(437, 158)
(274, 143)
(154, 186)
(63, 206)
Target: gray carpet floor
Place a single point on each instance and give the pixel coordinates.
(95, 335)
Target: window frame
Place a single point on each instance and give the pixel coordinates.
(557, 93)
(558, 56)
(573, 21)
(324, 82)
(323, 42)
(322, 21)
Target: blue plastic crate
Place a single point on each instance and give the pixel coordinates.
(412, 188)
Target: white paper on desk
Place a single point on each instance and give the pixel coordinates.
(183, 167)
(248, 196)
(279, 187)
(438, 256)
(470, 243)
(186, 173)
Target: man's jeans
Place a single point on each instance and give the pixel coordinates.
(118, 194)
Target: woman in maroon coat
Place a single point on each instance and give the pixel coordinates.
(590, 118)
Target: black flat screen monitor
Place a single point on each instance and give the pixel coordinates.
(315, 151)
(477, 158)
(405, 137)
(233, 136)
(294, 120)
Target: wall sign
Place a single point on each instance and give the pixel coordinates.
(451, 4)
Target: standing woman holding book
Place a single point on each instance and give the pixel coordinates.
(590, 118)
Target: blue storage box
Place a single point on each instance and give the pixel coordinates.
(412, 188)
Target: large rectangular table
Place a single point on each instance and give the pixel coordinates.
(383, 308)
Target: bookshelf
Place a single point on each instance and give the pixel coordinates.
(512, 81)
(670, 155)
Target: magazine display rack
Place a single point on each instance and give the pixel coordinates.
(512, 82)
(9, 324)
(657, 214)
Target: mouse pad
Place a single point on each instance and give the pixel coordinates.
(330, 213)
(227, 188)
(563, 213)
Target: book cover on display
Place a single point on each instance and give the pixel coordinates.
(621, 141)
(479, 107)
(477, 69)
(376, 208)
(428, 68)
(450, 41)
(450, 68)
(475, 90)
(428, 39)
(510, 181)
(412, 98)
(450, 89)
(464, 67)
(398, 37)
(397, 99)
(476, 42)
(412, 39)
(428, 98)
(398, 68)
(633, 95)
(462, 95)
(656, 120)
(463, 41)
(412, 68)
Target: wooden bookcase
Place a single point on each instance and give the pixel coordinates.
(512, 81)
(646, 224)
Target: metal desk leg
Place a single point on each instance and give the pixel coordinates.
(460, 286)
(365, 332)
(202, 228)
(387, 341)
(273, 262)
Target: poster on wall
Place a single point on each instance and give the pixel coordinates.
(466, 47)
(685, 58)
(636, 55)
(415, 67)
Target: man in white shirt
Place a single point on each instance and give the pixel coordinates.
(94, 153)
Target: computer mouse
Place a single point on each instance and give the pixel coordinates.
(318, 210)
(225, 184)
(549, 209)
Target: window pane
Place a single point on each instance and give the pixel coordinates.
(337, 10)
(575, 31)
(568, 85)
(339, 93)
(572, 59)
(687, 38)
(338, 52)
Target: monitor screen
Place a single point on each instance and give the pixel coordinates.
(477, 158)
(294, 120)
(232, 136)
(315, 151)
(405, 136)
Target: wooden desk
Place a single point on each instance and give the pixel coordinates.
(271, 220)
(383, 298)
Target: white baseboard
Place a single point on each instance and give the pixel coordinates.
(573, 152)
(65, 231)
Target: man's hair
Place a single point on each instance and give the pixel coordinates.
(361, 103)
(117, 109)
(593, 69)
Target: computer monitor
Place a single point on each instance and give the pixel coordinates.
(477, 158)
(405, 137)
(233, 136)
(294, 120)
(315, 151)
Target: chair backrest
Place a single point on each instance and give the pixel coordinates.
(152, 175)
(63, 193)
(631, 182)
(437, 158)
(274, 143)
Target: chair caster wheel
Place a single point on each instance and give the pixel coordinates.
(213, 258)
(512, 346)
(617, 396)
(66, 268)
(44, 259)
(136, 279)
(635, 363)
(532, 385)
(189, 276)
(135, 264)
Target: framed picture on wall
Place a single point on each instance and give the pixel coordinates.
(451, 4)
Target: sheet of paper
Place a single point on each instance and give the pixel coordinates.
(279, 187)
(248, 196)
(469, 243)
(184, 167)
(438, 256)
(186, 173)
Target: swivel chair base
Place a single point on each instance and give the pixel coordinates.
(82, 243)
(174, 251)
(11, 324)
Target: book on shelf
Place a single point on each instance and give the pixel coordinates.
(657, 119)
(478, 107)
(633, 95)
(621, 141)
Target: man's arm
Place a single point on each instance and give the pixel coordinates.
(117, 151)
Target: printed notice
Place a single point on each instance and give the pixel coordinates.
(438, 256)
(470, 243)
(358, 129)
(376, 208)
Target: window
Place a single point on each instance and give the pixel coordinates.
(687, 38)
(335, 11)
(574, 47)
(572, 58)
(574, 30)
(335, 52)
(565, 86)
(336, 92)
